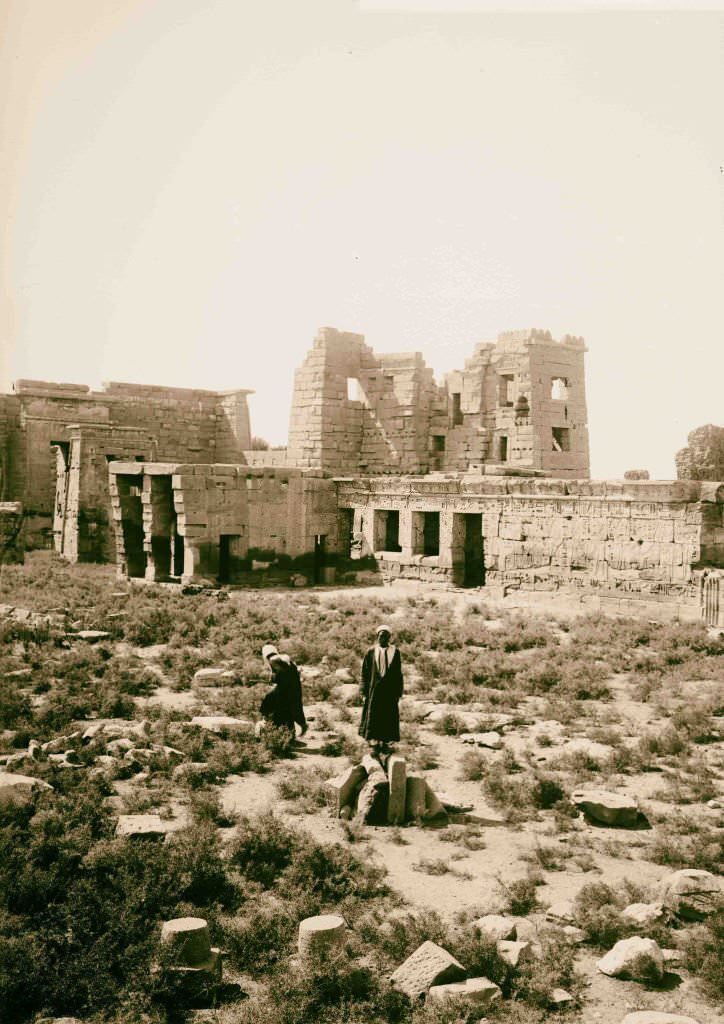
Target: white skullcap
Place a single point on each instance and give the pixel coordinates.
(268, 650)
(383, 629)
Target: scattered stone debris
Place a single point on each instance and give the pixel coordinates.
(643, 914)
(492, 740)
(222, 723)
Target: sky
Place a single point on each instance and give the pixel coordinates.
(189, 189)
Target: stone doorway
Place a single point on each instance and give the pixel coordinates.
(129, 493)
(468, 549)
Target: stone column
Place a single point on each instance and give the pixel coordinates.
(406, 537)
(447, 540)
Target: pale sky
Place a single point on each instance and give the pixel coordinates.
(190, 188)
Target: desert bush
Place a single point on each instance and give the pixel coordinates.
(703, 949)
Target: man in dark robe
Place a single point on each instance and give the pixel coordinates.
(381, 689)
(283, 706)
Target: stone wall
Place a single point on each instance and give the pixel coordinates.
(200, 522)
(641, 537)
(519, 403)
(175, 423)
(12, 546)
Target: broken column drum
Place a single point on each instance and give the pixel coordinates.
(320, 936)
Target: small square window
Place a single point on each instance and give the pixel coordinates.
(561, 439)
(559, 389)
(438, 442)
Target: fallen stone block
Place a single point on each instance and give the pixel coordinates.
(692, 893)
(321, 935)
(607, 808)
(20, 789)
(145, 826)
(656, 1017)
(345, 787)
(643, 914)
(478, 991)
(397, 778)
(373, 799)
(491, 740)
(429, 965)
(434, 808)
(496, 927)
(514, 953)
(562, 913)
(91, 636)
(634, 958)
(206, 677)
(415, 787)
(222, 723)
(347, 693)
(559, 998)
(344, 675)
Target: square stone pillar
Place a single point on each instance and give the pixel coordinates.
(447, 540)
(406, 534)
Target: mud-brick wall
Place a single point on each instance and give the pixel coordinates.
(11, 532)
(634, 536)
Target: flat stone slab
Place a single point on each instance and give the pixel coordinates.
(656, 1017)
(211, 677)
(91, 636)
(562, 912)
(20, 789)
(606, 807)
(145, 826)
(479, 991)
(491, 740)
(624, 958)
(222, 723)
(428, 966)
(514, 953)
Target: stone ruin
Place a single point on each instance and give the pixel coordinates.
(481, 481)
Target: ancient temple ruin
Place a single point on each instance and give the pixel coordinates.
(482, 480)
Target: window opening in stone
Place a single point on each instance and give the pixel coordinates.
(468, 554)
(438, 442)
(506, 386)
(561, 439)
(457, 412)
(431, 533)
(559, 388)
(352, 389)
(111, 458)
(502, 448)
(389, 379)
(163, 528)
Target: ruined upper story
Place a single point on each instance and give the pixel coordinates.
(518, 404)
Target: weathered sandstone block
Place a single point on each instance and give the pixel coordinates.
(692, 893)
(397, 776)
(429, 965)
(635, 958)
(478, 991)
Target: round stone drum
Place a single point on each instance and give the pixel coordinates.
(319, 936)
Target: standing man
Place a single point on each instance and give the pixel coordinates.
(381, 690)
(282, 706)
